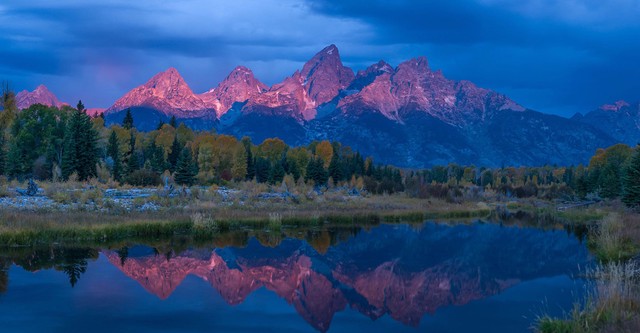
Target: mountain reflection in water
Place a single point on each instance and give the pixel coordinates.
(401, 271)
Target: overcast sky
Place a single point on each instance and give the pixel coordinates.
(553, 56)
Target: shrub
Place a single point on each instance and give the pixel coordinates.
(61, 197)
(144, 177)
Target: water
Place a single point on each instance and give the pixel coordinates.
(389, 278)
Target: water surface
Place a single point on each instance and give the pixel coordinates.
(389, 278)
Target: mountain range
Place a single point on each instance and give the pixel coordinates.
(409, 116)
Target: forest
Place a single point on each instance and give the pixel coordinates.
(48, 143)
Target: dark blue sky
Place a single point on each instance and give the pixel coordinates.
(554, 56)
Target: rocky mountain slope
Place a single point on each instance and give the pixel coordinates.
(621, 120)
(410, 115)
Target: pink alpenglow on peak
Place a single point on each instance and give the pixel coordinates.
(396, 93)
(414, 88)
(239, 86)
(615, 107)
(325, 75)
(166, 92)
(41, 95)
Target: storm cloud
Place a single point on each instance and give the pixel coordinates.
(554, 56)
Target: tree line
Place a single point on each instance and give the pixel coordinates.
(48, 143)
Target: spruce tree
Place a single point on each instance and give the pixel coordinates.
(80, 107)
(172, 122)
(276, 173)
(113, 151)
(176, 149)
(263, 169)
(185, 169)
(127, 122)
(156, 158)
(133, 162)
(251, 168)
(336, 169)
(80, 148)
(631, 181)
(316, 171)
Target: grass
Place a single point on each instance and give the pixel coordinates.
(612, 306)
(609, 241)
(614, 303)
(211, 214)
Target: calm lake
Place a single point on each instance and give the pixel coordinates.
(429, 277)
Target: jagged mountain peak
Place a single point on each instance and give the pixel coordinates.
(166, 92)
(239, 86)
(325, 75)
(40, 95)
(420, 64)
(167, 82)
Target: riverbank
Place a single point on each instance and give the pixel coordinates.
(613, 302)
(68, 212)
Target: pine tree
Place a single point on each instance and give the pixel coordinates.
(133, 162)
(631, 181)
(336, 169)
(251, 168)
(127, 122)
(80, 152)
(185, 169)
(113, 151)
(172, 122)
(156, 158)
(276, 173)
(174, 155)
(316, 171)
(263, 169)
(80, 107)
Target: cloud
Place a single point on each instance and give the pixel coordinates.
(95, 43)
(559, 56)
(563, 56)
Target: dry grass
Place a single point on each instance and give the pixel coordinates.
(610, 241)
(612, 306)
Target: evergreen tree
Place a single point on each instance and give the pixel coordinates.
(113, 151)
(127, 122)
(631, 181)
(185, 169)
(156, 158)
(251, 168)
(133, 161)
(160, 124)
(80, 107)
(276, 173)
(336, 169)
(80, 152)
(263, 169)
(174, 155)
(172, 122)
(316, 171)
